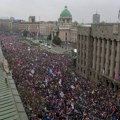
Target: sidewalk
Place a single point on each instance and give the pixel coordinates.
(11, 107)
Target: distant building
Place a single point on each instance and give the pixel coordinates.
(32, 19)
(96, 18)
(12, 19)
(5, 25)
(43, 28)
(66, 29)
(98, 57)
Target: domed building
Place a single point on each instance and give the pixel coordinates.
(65, 16)
(66, 30)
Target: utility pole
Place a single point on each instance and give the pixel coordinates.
(39, 26)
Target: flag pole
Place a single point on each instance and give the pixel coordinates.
(119, 16)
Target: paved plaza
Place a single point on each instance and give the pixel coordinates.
(54, 48)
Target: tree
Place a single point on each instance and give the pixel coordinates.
(49, 37)
(57, 40)
(25, 33)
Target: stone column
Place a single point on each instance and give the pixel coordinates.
(83, 49)
(112, 59)
(87, 51)
(83, 58)
(52, 35)
(103, 56)
(98, 55)
(87, 56)
(78, 49)
(117, 63)
(94, 54)
(107, 57)
(80, 52)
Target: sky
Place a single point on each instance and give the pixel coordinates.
(49, 10)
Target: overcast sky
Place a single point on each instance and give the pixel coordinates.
(81, 10)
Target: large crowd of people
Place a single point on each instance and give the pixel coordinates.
(50, 90)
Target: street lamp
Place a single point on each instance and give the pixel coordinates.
(37, 33)
(29, 29)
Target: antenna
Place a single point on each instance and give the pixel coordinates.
(119, 16)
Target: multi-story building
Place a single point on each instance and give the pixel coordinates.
(66, 29)
(44, 28)
(5, 24)
(33, 26)
(96, 18)
(31, 19)
(98, 56)
(12, 24)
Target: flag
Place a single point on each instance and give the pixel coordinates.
(59, 72)
(60, 82)
(51, 72)
(32, 71)
(116, 75)
(33, 91)
(103, 71)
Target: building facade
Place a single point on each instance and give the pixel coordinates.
(33, 26)
(5, 25)
(41, 27)
(98, 56)
(31, 19)
(66, 29)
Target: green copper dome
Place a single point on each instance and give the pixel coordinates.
(65, 13)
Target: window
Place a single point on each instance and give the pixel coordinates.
(79, 37)
(90, 73)
(85, 46)
(84, 71)
(81, 61)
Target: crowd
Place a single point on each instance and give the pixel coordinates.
(50, 90)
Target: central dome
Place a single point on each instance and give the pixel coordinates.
(65, 13)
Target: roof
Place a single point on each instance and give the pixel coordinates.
(7, 107)
(65, 13)
(11, 107)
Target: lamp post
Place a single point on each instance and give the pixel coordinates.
(29, 29)
(37, 33)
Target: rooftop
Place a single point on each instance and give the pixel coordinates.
(11, 107)
(65, 13)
